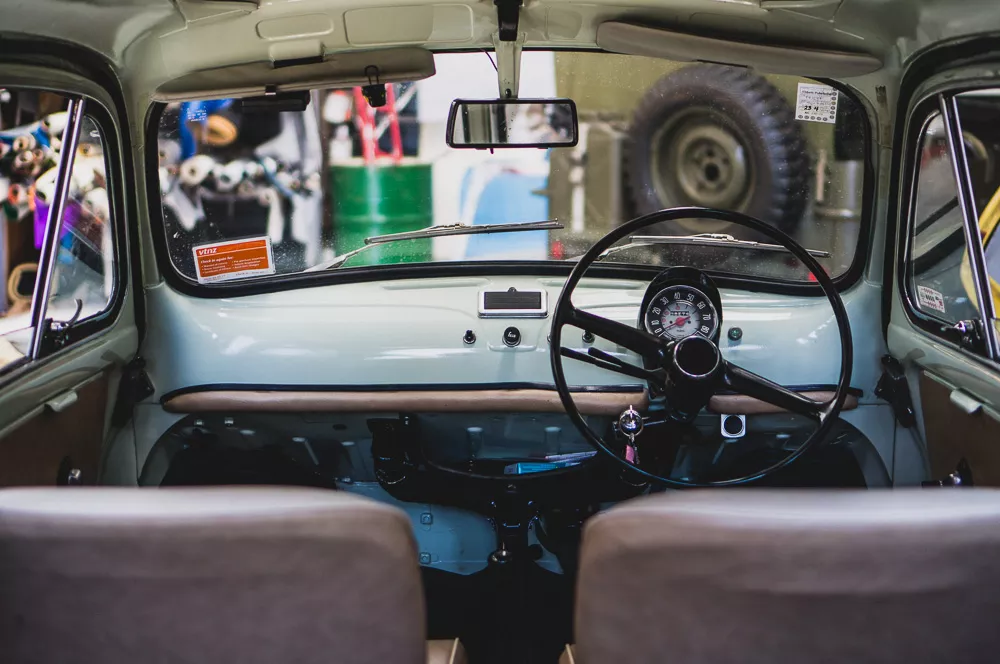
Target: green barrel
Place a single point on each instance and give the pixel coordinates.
(378, 200)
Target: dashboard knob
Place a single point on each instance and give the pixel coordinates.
(512, 336)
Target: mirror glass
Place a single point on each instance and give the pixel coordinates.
(512, 123)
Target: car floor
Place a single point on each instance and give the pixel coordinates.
(500, 620)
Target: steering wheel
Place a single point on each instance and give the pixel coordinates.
(692, 369)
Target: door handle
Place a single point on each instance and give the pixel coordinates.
(60, 403)
(965, 402)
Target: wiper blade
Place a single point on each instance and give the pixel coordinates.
(700, 240)
(439, 231)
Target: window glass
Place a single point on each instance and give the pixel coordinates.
(979, 111)
(83, 278)
(31, 126)
(937, 242)
(254, 195)
(941, 283)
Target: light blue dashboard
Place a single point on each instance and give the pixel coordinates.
(411, 333)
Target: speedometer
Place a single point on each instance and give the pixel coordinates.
(680, 311)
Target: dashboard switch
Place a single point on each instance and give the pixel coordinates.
(470, 337)
(511, 336)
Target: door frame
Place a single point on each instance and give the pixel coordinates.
(930, 84)
(103, 344)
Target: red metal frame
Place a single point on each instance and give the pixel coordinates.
(365, 118)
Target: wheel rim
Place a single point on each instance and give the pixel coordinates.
(697, 161)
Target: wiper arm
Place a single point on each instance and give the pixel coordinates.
(439, 231)
(701, 240)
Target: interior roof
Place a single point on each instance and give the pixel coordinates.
(153, 41)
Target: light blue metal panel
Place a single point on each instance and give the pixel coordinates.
(410, 333)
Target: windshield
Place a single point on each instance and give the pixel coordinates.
(258, 195)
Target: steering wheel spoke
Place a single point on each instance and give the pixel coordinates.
(607, 361)
(636, 340)
(754, 385)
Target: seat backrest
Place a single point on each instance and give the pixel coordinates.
(241, 574)
(792, 576)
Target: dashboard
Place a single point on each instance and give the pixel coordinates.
(343, 352)
(417, 333)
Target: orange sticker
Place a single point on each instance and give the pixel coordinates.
(234, 259)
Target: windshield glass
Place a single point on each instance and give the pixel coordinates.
(258, 195)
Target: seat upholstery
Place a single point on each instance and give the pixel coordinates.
(792, 576)
(116, 575)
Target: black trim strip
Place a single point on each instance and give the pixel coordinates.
(851, 391)
(443, 387)
(935, 216)
(428, 387)
(274, 284)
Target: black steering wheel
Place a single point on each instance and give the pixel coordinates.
(692, 369)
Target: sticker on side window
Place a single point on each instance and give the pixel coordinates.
(816, 103)
(233, 259)
(930, 299)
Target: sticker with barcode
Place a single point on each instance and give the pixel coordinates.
(930, 299)
(816, 103)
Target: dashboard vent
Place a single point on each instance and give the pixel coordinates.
(512, 303)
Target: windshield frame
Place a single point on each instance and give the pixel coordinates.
(542, 268)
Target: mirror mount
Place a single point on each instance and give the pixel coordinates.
(507, 44)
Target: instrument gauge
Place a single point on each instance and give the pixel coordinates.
(681, 311)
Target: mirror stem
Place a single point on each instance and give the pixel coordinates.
(508, 64)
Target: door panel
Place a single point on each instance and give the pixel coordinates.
(955, 436)
(56, 438)
(55, 408)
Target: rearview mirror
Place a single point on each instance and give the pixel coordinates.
(512, 123)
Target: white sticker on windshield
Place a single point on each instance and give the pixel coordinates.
(930, 299)
(816, 103)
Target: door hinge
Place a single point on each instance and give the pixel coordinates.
(134, 387)
(892, 387)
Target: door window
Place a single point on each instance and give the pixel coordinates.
(83, 276)
(939, 274)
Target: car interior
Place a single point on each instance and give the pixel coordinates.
(515, 331)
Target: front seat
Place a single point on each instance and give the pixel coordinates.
(236, 574)
(792, 576)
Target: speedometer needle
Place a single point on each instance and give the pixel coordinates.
(678, 321)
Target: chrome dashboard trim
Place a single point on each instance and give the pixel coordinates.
(541, 312)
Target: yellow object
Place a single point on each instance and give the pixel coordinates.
(988, 221)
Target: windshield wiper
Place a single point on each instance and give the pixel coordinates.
(700, 240)
(438, 231)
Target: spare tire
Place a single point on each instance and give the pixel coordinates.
(720, 137)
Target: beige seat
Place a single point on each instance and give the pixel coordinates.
(747, 576)
(275, 575)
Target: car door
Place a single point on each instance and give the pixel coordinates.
(67, 325)
(942, 332)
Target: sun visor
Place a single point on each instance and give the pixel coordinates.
(632, 39)
(339, 70)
